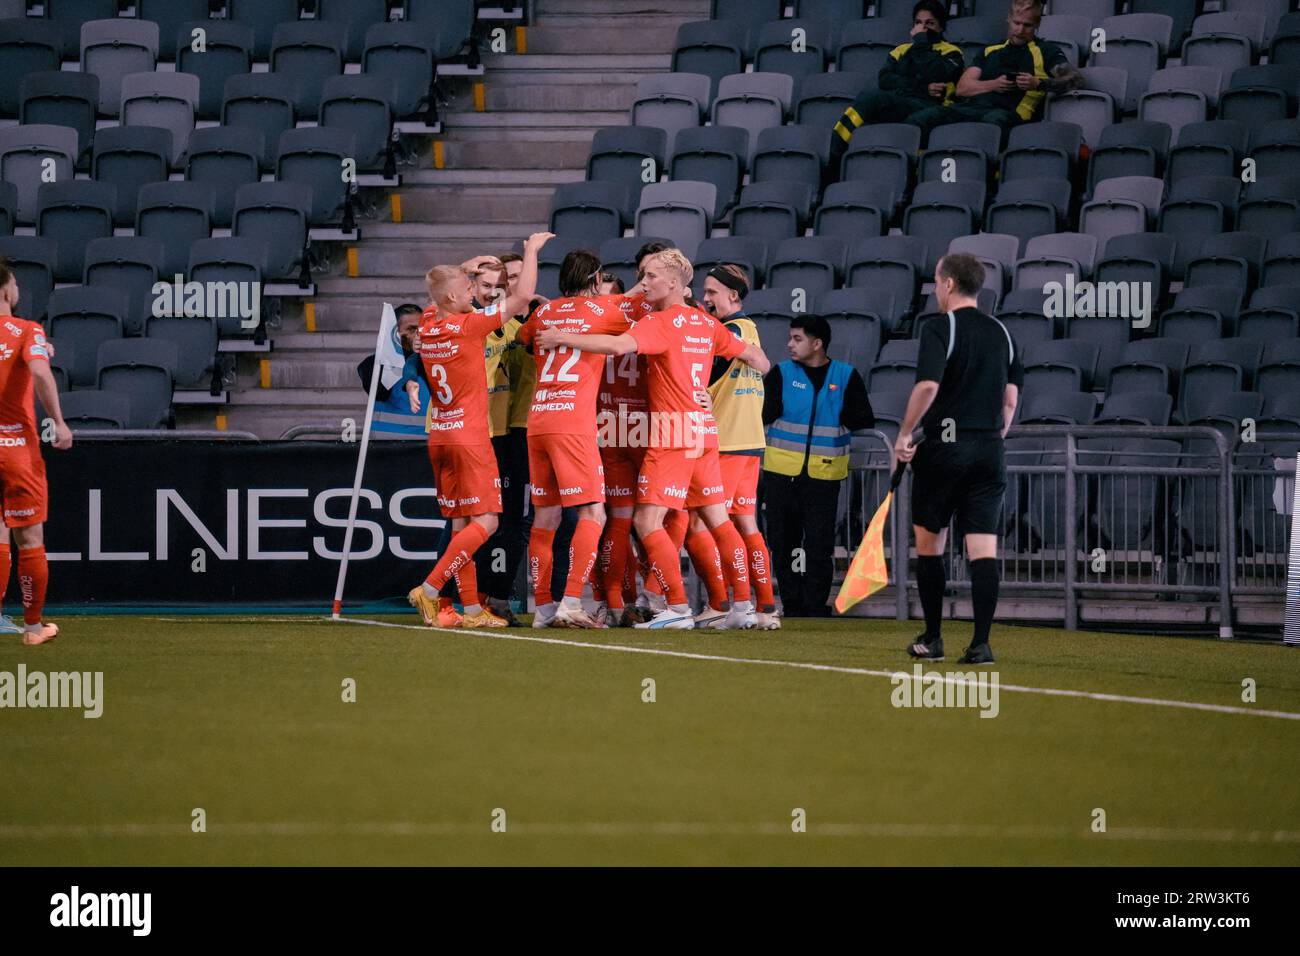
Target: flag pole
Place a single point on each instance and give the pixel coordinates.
(361, 465)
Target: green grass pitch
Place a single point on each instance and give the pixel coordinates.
(245, 718)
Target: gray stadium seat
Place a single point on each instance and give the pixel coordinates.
(1230, 258)
(310, 53)
(133, 264)
(32, 262)
(998, 252)
(1105, 218)
(129, 157)
(162, 101)
(1258, 95)
(1137, 56)
(792, 153)
(671, 101)
(1157, 27)
(227, 51)
(1146, 191)
(169, 15)
(859, 305)
(854, 210)
(1223, 365)
(1051, 257)
(939, 213)
(260, 101)
(1060, 365)
(1094, 105)
(1182, 12)
(228, 260)
(1144, 257)
(263, 16)
(592, 211)
(1025, 208)
(752, 13)
(1150, 365)
(772, 303)
(1286, 41)
(27, 46)
(1282, 263)
(883, 152)
(61, 98)
(1061, 408)
(177, 215)
(1135, 148)
(775, 53)
(752, 102)
(972, 147)
(712, 154)
(451, 21)
(23, 154)
(142, 370)
(772, 211)
(73, 213)
(1212, 148)
(1021, 311)
(813, 263)
(1072, 33)
(314, 158)
(114, 49)
(1042, 150)
(713, 48)
(403, 53)
(890, 264)
(740, 250)
(1180, 95)
(354, 16)
(225, 158)
(363, 106)
(1274, 314)
(71, 15)
(620, 155)
(93, 410)
(276, 214)
(823, 97)
(81, 318)
(195, 339)
(1275, 147)
(1271, 207)
(1196, 207)
(865, 45)
(1201, 312)
(680, 210)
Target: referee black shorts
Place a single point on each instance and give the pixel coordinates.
(967, 478)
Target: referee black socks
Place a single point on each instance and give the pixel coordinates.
(984, 597)
(930, 583)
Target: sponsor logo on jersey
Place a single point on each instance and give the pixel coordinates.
(9, 442)
(577, 490)
(673, 491)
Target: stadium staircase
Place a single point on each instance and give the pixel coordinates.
(509, 137)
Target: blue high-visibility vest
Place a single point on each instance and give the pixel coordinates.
(809, 429)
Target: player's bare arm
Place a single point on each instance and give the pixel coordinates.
(1010, 398)
(755, 358)
(48, 392)
(522, 294)
(918, 404)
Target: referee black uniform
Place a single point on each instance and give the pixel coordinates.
(959, 469)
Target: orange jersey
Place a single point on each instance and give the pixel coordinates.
(21, 343)
(624, 389)
(451, 352)
(564, 402)
(681, 343)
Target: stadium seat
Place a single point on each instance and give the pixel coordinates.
(1021, 311)
(1105, 218)
(1051, 257)
(940, 212)
(225, 158)
(671, 101)
(619, 257)
(1138, 56)
(162, 101)
(27, 46)
(792, 154)
(713, 48)
(177, 215)
(262, 16)
(1146, 191)
(276, 214)
(1196, 207)
(712, 154)
(753, 102)
(1058, 408)
(227, 51)
(61, 98)
(1157, 27)
(1149, 365)
(80, 319)
(772, 211)
(1274, 314)
(1282, 262)
(451, 21)
(73, 213)
(1068, 365)
(883, 153)
(865, 45)
(681, 210)
(32, 261)
(1144, 257)
(133, 264)
(1134, 148)
(1224, 40)
(1271, 207)
(775, 304)
(1258, 95)
(620, 154)
(1275, 147)
(859, 305)
(129, 157)
(1223, 365)
(853, 210)
(1211, 148)
(311, 53)
(195, 340)
(262, 102)
(1042, 150)
(1279, 372)
(1179, 95)
(753, 13)
(354, 16)
(404, 54)
(314, 158)
(974, 33)
(592, 210)
(8, 207)
(142, 370)
(750, 253)
(1026, 208)
(1201, 312)
(1230, 258)
(1285, 49)
(890, 264)
(1072, 33)
(823, 97)
(170, 15)
(228, 260)
(971, 147)
(93, 410)
(1094, 105)
(25, 152)
(363, 106)
(113, 49)
(774, 52)
(814, 263)
(997, 252)
(1203, 408)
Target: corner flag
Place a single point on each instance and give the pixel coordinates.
(868, 572)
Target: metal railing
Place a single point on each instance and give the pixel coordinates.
(1139, 512)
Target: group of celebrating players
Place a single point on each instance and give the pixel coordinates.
(646, 417)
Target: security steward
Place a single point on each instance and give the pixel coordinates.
(968, 380)
(810, 404)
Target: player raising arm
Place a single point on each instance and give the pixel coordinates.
(460, 449)
(681, 466)
(24, 367)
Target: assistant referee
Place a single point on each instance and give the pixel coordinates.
(968, 379)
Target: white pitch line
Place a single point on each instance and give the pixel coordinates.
(289, 828)
(500, 634)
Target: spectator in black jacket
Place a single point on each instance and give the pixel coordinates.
(918, 75)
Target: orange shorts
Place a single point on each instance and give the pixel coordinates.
(740, 482)
(677, 478)
(22, 483)
(565, 470)
(467, 479)
(622, 465)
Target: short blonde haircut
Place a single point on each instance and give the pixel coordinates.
(1027, 7)
(675, 261)
(437, 279)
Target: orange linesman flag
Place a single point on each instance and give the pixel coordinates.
(868, 572)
